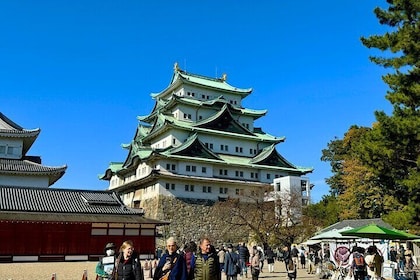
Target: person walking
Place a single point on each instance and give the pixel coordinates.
(286, 256)
(127, 264)
(255, 263)
(243, 259)
(270, 259)
(221, 254)
(374, 262)
(207, 266)
(231, 263)
(189, 255)
(357, 263)
(294, 253)
(172, 265)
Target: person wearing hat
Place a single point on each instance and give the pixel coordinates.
(105, 265)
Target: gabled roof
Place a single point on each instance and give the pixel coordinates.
(217, 102)
(9, 129)
(42, 204)
(193, 148)
(269, 156)
(224, 121)
(183, 77)
(26, 167)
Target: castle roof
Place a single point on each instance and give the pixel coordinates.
(66, 205)
(27, 167)
(183, 77)
(218, 102)
(9, 129)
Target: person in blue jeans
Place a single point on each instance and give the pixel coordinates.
(243, 253)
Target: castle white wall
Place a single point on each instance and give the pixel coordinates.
(29, 181)
(11, 148)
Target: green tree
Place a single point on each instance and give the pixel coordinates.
(376, 170)
(396, 138)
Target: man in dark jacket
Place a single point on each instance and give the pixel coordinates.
(171, 265)
(286, 256)
(207, 265)
(243, 258)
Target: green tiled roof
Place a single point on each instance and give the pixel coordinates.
(115, 166)
(210, 82)
(219, 84)
(169, 120)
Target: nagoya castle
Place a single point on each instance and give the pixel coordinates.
(198, 146)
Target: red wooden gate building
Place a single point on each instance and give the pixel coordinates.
(40, 224)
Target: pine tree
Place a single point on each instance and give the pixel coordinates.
(395, 140)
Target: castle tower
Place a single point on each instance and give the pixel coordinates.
(16, 167)
(198, 142)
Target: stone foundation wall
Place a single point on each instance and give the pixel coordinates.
(191, 219)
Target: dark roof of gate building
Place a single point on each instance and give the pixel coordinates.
(67, 205)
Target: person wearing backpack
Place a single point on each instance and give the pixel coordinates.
(232, 268)
(358, 264)
(374, 262)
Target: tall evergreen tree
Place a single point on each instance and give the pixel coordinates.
(378, 167)
(396, 138)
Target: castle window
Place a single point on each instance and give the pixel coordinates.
(206, 189)
(193, 168)
(10, 150)
(189, 188)
(268, 176)
(167, 185)
(223, 190)
(188, 168)
(203, 169)
(223, 172)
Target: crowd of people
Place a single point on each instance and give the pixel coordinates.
(204, 261)
(368, 263)
(201, 261)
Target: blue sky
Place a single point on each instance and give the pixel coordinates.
(82, 71)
